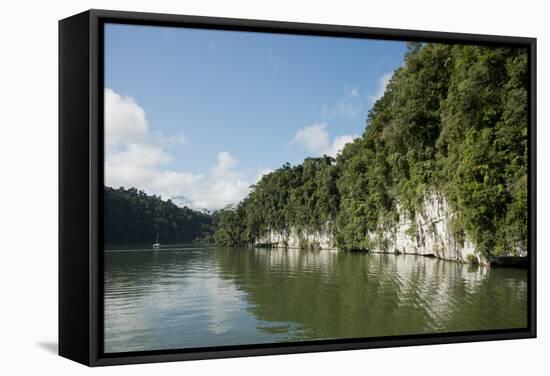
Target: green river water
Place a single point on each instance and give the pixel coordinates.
(186, 296)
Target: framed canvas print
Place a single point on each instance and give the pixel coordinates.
(236, 187)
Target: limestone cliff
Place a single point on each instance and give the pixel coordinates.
(294, 238)
(429, 233)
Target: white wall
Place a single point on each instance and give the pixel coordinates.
(28, 188)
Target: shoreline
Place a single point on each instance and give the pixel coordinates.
(499, 261)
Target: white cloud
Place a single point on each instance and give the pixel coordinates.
(223, 186)
(381, 86)
(339, 143)
(139, 165)
(349, 106)
(125, 121)
(315, 139)
(171, 140)
(136, 157)
(260, 174)
(225, 162)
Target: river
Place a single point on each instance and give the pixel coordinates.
(188, 296)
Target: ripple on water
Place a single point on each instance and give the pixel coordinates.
(187, 296)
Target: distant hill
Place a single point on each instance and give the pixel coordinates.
(131, 216)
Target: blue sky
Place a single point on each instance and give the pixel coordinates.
(200, 114)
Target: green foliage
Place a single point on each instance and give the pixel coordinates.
(483, 146)
(131, 216)
(304, 197)
(452, 119)
(231, 231)
(472, 260)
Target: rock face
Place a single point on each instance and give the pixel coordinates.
(298, 239)
(429, 233)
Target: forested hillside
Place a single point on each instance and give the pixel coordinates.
(453, 120)
(304, 197)
(131, 216)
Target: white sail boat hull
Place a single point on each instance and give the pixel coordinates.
(157, 244)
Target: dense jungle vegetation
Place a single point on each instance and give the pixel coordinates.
(453, 119)
(131, 216)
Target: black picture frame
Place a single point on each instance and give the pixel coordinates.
(81, 180)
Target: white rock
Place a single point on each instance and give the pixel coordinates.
(429, 233)
(293, 238)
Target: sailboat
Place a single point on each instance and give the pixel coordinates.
(157, 244)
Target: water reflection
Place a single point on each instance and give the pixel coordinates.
(190, 296)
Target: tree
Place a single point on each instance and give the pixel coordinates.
(452, 119)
